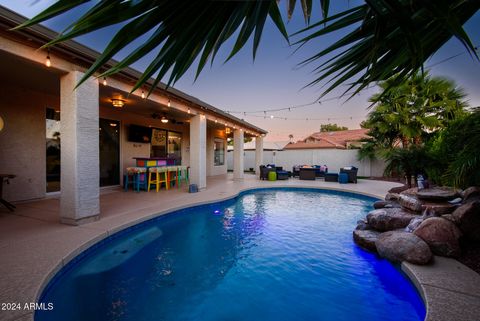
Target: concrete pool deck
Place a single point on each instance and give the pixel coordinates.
(34, 245)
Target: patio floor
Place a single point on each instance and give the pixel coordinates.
(34, 245)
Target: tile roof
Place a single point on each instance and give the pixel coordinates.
(336, 139)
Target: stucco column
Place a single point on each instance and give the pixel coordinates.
(198, 151)
(238, 168)
(258, 154)
(80, 191)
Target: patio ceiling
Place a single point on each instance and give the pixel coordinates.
(17, 71)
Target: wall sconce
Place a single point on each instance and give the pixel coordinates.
(2, 123)
(118, 103)
(227, 130)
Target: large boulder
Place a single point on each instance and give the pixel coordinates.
(403, 246)
(387, 219)
(471, 194)
(398, 189)
(392, 197)
(410, 202)
(414, 223)
(441, 235)
(437, 209)
(438, 194)
(366, 239)
(410, 191)
(385, 204)
(363, 225)
(467, 218)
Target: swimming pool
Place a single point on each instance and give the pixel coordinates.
(270, 254)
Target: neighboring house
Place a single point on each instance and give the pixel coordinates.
(344, 139)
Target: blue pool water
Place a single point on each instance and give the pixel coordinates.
(267, 255)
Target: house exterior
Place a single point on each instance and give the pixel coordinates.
(73, 141)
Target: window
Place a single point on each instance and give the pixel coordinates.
(159, 143)
(219, 155)
(174, 145)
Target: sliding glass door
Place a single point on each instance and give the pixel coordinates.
(109, 152)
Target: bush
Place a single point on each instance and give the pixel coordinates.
(456, 153)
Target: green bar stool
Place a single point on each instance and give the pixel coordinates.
(182, 174)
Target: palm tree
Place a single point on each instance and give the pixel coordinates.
(405, 116)
(408, 113)
(383, 37)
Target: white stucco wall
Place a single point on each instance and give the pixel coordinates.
(22, 141)
(333, 158)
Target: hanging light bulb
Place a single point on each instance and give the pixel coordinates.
(216, 120)
(271, 116)
(104, 81)
(48, 63)
(164, 119)
(188, 111)
(143, 94)
(170, 104)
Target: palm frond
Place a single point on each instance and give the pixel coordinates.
(395, 37)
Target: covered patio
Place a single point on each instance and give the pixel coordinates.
(71, 142)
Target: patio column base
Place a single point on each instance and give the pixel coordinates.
(80, 221)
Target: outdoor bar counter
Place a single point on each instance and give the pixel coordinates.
(154, 161)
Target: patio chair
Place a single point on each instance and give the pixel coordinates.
(351, 171)
(264, 170)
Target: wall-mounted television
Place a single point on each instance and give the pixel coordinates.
(139, 134)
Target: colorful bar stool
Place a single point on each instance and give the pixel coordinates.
(172, 174)
(182, 174)
(159, 172)
(134, 173)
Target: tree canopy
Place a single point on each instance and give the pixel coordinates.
(332, 128)
(408, 113)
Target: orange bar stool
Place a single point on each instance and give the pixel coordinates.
(172, 174)
(182, 174)
(134, 173)
(161, 175)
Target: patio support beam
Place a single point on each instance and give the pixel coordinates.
(258, 154)
(198, 151)
(238, 154)
(80, 192)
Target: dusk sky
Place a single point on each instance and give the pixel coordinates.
(274, 80)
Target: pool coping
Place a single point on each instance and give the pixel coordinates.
(443, 283)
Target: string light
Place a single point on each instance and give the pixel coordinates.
(271, 116)
(216, 121)
(48, 63)
(319, 119)
(104, 81)
(285, 108)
